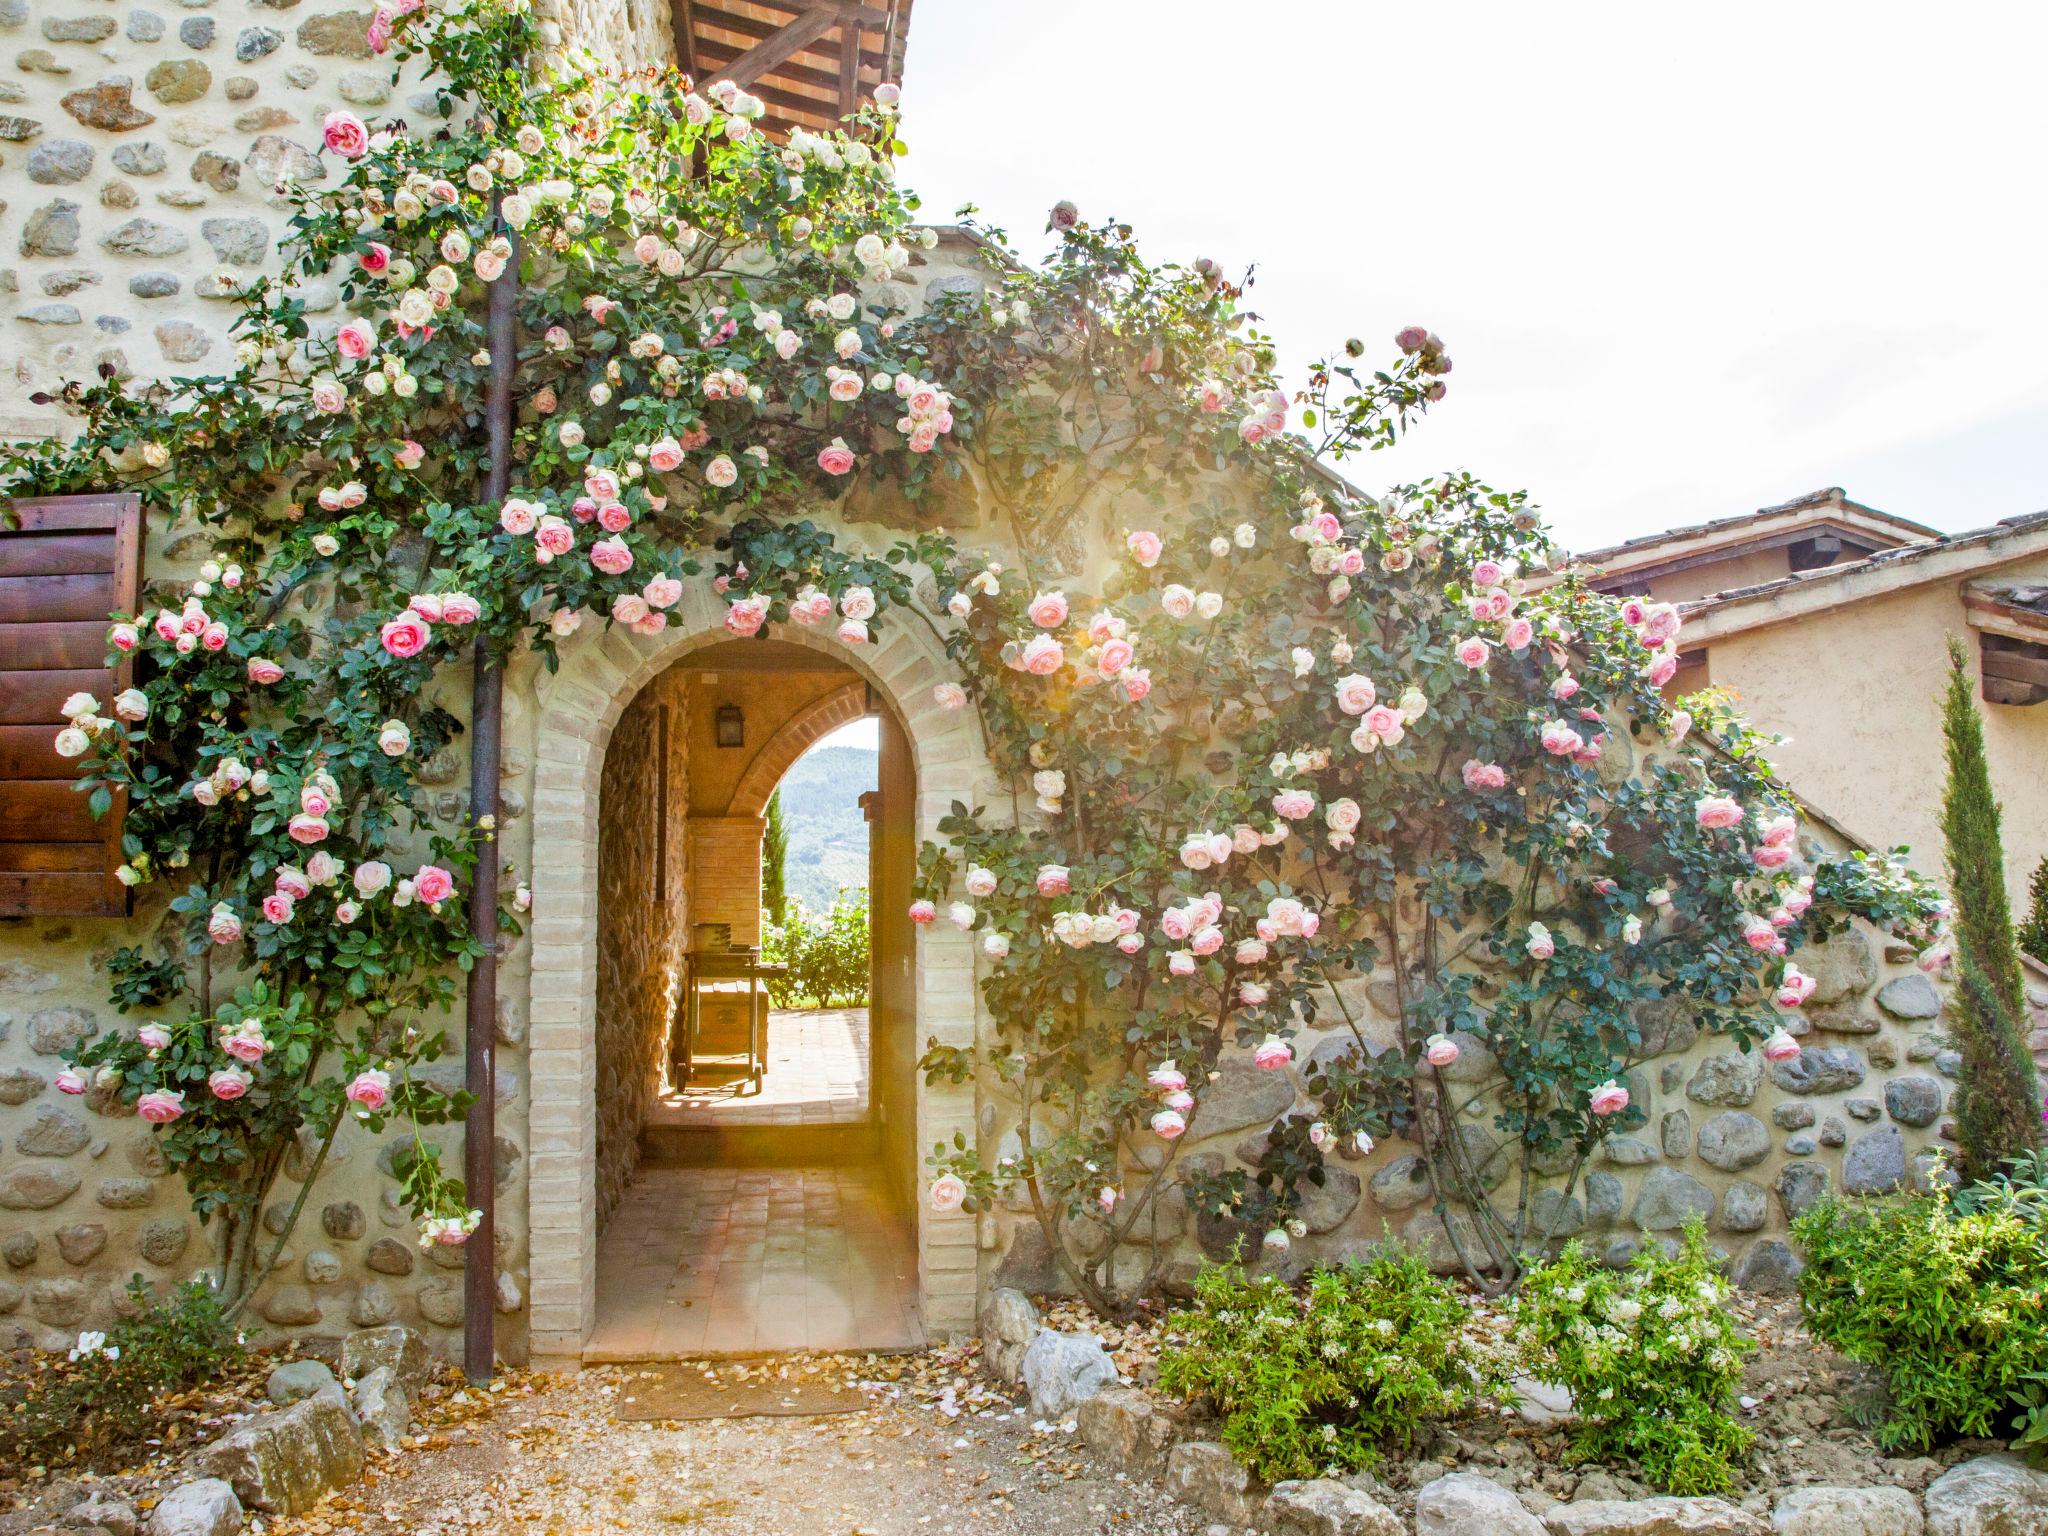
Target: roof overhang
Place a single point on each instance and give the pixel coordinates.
(1797, 597)
(1824, 512)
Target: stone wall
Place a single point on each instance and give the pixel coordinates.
(635, 34)
(643, 898)
(1743, 1143)
(140, 149)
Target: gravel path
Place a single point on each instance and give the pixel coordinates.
(938, 1452)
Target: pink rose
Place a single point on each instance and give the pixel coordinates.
(1518, 634)
(1713, 811)
(1440, 1050)
(517, 517)
(1487, 573)
(1483, 776)
(227, 1083)
(629, 608)
(1166, 1078)
(1053, 880)
(601, 483)
(662, 591)
(1540, 944)
(613, 517)
(405, 635)
(410, 454)
(214, 637)
(1472, 652)
(222, 925)
(923, 913)
(1294, 804)
(1780, 1046)
(307, 829)
(152, 1037)
(1137, 683)
(427, 605)
(1273, 1053)
(1610, 1098)
(277, 907)
(1356, 694)
(665, 455)
(554, 538)
(947, 1193)
(835, 458)
(1168, 1124)
(1115, 655)
(433, 884)
(1145, 546)
(370, 1089)
(950, 696)
(1559, 739)
(160, 1106)
(1795, 987)
(70, 1080)
(345, 134)
(375, 259)
(460, 608)
(1048, 610)
(1662, 670)
(746, 615)
(853, 632)
(1043, 656)
(611, 556)
(356, 339)
(263, 670)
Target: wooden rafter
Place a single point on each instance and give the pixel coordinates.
(809, 61)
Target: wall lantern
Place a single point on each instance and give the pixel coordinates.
(732, 726)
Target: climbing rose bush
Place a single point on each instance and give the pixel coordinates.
(1268, 736)
(690, 341)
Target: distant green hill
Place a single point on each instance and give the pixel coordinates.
(828, 836)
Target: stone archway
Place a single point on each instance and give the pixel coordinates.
(601, 670)
(802, 731)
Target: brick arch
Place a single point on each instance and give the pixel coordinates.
(792, 739)
(601, 671)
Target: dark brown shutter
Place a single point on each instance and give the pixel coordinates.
(66, 563)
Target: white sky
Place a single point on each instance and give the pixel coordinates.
(865, 733)
(1688, 261)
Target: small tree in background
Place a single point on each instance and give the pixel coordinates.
(1998, 1098)
(2034, 931)
(774, 858)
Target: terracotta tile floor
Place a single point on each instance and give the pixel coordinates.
(817, 1075)
(735, 1261)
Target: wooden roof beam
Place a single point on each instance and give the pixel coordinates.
(779, 48)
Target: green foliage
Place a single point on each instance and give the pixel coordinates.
(1998, 1096)
(74, 1410)
(828, 957)
(2033, 934)
(1948, 1298)
(1652, 1356)
(1318, 1381)
(774, 863)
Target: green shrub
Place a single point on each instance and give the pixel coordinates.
(1652, 1355)
(1317, 1381)
(827, 956)
(74, 1409)
(1947, 1298)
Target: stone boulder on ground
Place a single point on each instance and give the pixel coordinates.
(297, 1380)
(1009, 1322)
(1988, 1496)
(1325, 1507)
(207, 1507)
(1128, 1430)
(284, 1461)
(396, 1346)
(383, 1409)
(1847, 1512)
(1063, 1370)
(104, 1512)
(1204, 1475)
(1466, 1504)
(1654, 1517)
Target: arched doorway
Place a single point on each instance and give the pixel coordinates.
(926, 975)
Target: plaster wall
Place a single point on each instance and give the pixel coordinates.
(1856, 691)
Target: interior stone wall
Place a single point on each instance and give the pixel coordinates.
(642, 933)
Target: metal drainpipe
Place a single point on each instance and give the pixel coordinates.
(487, 719)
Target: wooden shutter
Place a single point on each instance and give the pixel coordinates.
(66, 563)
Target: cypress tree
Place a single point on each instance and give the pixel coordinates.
(1998, 1098)
(774, 857)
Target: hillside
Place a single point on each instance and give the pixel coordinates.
(828, 837)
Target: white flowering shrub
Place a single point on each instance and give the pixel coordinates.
(1652, 1355)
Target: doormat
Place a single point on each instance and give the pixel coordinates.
(732, 1390)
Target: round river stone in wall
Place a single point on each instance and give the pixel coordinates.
(1744, 1207)
(1910, 997)
(1668, 1199)
(1734, 1140)
(1832, 1069)
(1914, 1099)
(1876, 1163)
(1731, 1078)
(1799, 1186)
